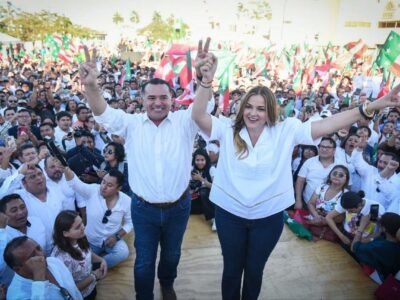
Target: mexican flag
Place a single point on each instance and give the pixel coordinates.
(357, 48)
(224, 75)
(389, 56)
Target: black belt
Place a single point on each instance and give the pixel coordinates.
(165, 204)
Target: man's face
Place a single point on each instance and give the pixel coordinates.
(12, 101)
(17, 213)
(54, 169)
(19, 94)
(29, 155)
(383, 160)
(34, 181)
(83, 114)
(109, 186)
(24, 118)
(157, 101)
(47, 131)
(57, 104)
(64, 123)
(90, 143)
(392, 117)
(326, 150)
(23, 253)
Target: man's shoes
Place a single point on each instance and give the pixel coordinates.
(168, 293)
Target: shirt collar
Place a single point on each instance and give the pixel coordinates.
(147, 119)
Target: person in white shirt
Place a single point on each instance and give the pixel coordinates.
(54, 173)
(355, 207)
(315, 170)
(108, 215)
(159, 147)
(37, 277)
(63, 133)
(14, 222)
(375, 186)
(253, 183)
(41, 201)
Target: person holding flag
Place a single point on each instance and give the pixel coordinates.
(253, 182)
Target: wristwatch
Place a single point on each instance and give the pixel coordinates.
(117, 236)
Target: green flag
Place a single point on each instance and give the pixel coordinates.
(389, 56)
(128, 74)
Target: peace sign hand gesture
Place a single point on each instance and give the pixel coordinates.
(201, 55)
(88, 70)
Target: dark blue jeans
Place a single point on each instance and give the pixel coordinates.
(246, 246)
(155, 226)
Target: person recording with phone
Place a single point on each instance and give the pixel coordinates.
(84, 158)
(25, 131)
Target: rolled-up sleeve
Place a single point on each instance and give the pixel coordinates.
(114, 121)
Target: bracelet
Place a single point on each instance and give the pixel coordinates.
(362, 112)
(205, 85)
(369, 113)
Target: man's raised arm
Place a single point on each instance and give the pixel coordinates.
(88, 73)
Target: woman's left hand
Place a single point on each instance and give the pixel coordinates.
(197, 176)
(391, 99)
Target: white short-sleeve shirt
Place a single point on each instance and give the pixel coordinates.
(261, 184)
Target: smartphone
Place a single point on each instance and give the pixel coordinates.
(22, 131)
(373, 212)
(10, 141)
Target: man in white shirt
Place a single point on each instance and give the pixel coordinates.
(108, 215)
(375, 186)
(315, 170)
(56, 181)
(37, 277)
(160, 145)
(41, 201)
(14, 222)
(63, 133)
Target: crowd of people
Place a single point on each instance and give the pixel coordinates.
(87, 157)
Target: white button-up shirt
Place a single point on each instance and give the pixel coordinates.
(261, 184)
(120, 217)
(46, 211)
(159, 157)
(375, 187)
(68, 195)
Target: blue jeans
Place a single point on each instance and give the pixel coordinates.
(246, 246)
(114, 255)
(153, 226)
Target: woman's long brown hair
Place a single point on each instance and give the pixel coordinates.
(272, 116)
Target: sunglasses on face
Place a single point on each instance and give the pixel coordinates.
(338, 174)
(108, 151)
(106, 215)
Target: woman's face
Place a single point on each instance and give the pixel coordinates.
(338, 176)
(77, 230)
(308, 153)
(351, 143)
(109, 153)
(255, 113)
(200, 162)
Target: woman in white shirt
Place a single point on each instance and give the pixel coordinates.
(253, 182)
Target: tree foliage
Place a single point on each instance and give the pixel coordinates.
(134, 17)
(34, 26)
(168, 29)
(117, 18)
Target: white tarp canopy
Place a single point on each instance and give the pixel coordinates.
(7, 38)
